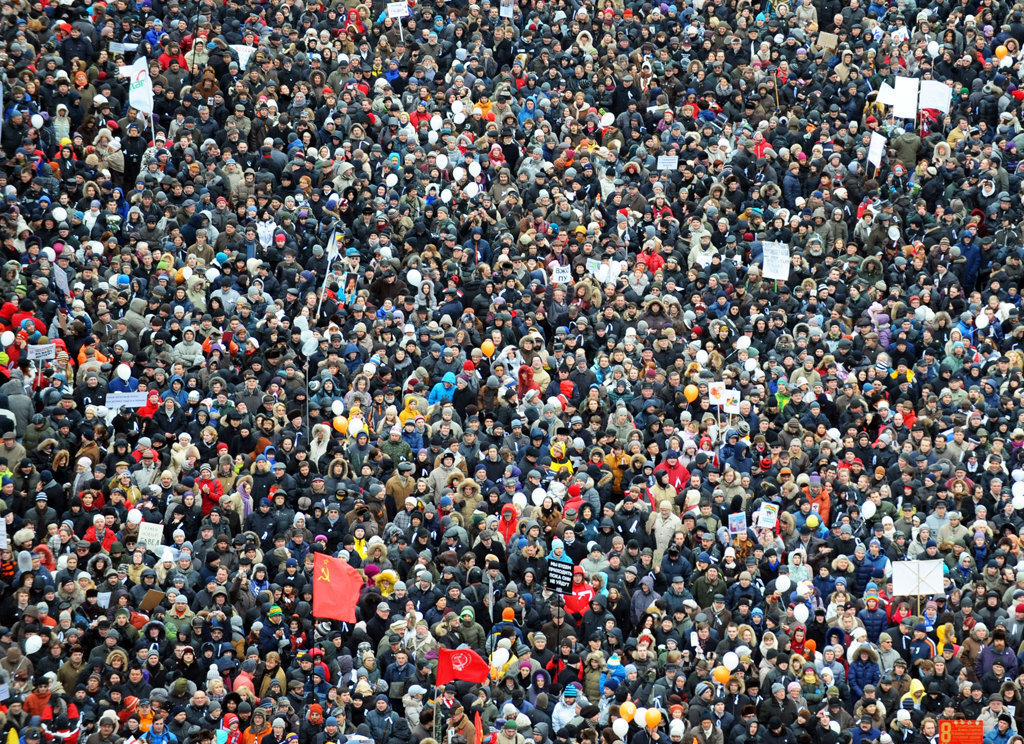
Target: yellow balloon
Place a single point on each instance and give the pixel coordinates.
(1001, 51)
(691, 392)
(627, 710)
(340, 424)
(721, 675)
(487, 347)
(653, 717)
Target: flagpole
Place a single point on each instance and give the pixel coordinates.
(332, 248)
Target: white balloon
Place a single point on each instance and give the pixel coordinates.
(471, 189)
(37, 121)
(391, 180)
(124, 372)
(60, 214)
(640, 717)
(436, 122)
(750, 365)
(519, 499)
(730, 660)
(50, 254)
(337, 407)
(538, 496)
(458, 106)
(499, 658)
(981, 321)
(474, 168)
(620, 727)
(33, 644)
(442, 161)
(607, 120)
(458, 173)
(459, 118)
(894, 233)
(6, 338)
(933, 48)
(783, 583)
(1018, 502)
(743, 342)
(1017, 489)
(702, 357)
(446, 195)
(414, 277)
(432, 137)
(835, 727)
(186, 273)
(1018, 474)
(868, 510)
(802, 589)
(309, 345)
(212, 275)
(801, 613)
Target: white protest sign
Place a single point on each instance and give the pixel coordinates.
(775, 260)
(265, 232)
(876, 150)
(561, 275)
(62, 280)
(507, 9)
(398, 10)
(935, 95)
(910, 578)
(42, 351)
(151, 535)
(716, 393)
(732, 401)
(905, 105)
(3, 534)
(886, 95)
(768, 516)
(668, 162)
(244, 51)
(126, 400)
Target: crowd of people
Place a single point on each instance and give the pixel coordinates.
(453, 291)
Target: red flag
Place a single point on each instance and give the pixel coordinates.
(336, 588)
(461, 664)
(478, 729)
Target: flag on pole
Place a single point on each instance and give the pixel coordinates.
(336, 588)
(140, 86)
(461, 664)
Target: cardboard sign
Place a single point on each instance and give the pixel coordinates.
(151, 600)
(151, 535)
(126, 400)
(398, 10)
(668, 162)
(961, 732)
(42, 352)
(827, 40)
(560, 577)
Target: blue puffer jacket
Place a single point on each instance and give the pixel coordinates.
(863, 671)
(875, 622)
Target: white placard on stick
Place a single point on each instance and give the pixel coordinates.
(886, 94)
(905, 104)
(668, 162)
(398, 10)
(914, 578)
(775, 260)
(935, 95)
(126, 400)
(768, 516)
(876, 150)
(507, 9)
(42, 351)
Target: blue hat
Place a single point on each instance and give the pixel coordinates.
(921, 627)
(704, 558)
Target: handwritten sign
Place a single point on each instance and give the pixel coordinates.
(668, 162)
(126, 400)
(561, 275)
(42, 351)
(151, 535)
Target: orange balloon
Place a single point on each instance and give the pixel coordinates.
(627, 710)
(1001, 51)
(721, 675)
(340, 424)
(691, 392)
(487, 347)
(653, 717)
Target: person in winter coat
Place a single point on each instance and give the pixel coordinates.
(873, 617)
(863, 670)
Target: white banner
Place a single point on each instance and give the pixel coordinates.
(905, 105)
(876, 150)
(935, 95)
(126, 400)
(140, 86)
(668, 162)
(42, 351)
(775, 260)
